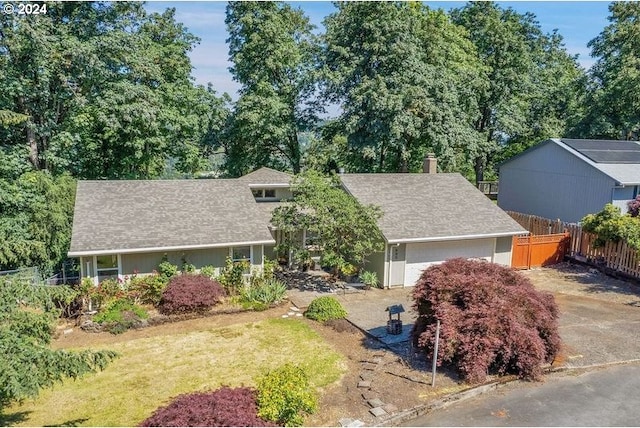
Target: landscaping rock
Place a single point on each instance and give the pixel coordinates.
(376, 402)
(367, 375)
(390, 408)
(91, 327)
(377, 412)
(364, 384)
(348, 422)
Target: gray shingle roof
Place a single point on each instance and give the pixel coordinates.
(131, 216)
(266, 175)
(424, 207)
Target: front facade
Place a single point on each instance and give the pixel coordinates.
(430, 218)
(567, 179)
(122, 228)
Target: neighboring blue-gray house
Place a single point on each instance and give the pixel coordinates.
(566, 179)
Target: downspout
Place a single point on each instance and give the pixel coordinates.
(390, 264)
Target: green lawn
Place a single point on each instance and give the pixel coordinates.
(150, 371)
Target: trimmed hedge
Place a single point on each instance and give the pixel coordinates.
(190, 293)
(492, 320)
(324, 309)
(226, 407)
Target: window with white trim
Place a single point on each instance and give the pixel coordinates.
(242, 254)
(107, 267)
(264, 194)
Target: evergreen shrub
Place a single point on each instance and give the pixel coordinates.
(324, 309)
(492, 320)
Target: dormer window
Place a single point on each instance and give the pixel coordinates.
(264, 194)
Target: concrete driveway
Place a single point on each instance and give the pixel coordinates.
(595, 332)
(599, 316)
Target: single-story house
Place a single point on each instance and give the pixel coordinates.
(429, 218)
(567, 179)
(126, 227)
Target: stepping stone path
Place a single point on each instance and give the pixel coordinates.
(378, 408)
(293, 312)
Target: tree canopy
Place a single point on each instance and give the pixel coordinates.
(346, 230)
(613, 109)
(271, 48)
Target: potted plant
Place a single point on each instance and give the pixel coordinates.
(369, 279)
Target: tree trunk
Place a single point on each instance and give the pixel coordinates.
(34, 157)
(479, 168)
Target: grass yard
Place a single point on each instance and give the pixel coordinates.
(151, 370)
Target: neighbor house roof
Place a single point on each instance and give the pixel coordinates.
(430, 207)
(163, 215)
(266, 177)
(618, 159)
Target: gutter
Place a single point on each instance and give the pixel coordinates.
(456, 237)
(164, 249)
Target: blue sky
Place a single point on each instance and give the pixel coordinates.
(577, 21)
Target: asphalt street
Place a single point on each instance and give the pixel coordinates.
(604, 397)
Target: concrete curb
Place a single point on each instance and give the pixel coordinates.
(423, 409)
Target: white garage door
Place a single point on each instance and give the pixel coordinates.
(422, 255)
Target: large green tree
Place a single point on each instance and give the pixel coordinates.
(406, 79)
(27, 362)
(346, 230)
(271, 48)
(106, 89)
(533, 84)
(613, 105)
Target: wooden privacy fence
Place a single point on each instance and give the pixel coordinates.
(535, 251)
(617, 256)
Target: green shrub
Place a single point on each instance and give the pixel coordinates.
(285, 396)
(610, 225)
(167, 269)
(269, 268)
(108, 290)
(208, 271)
(147, 289)
(267, 292)
(369, 278)
(120, 315)
(187, 267)
(324, 309)
(232, 276)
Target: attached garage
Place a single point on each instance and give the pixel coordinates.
(430, 218)
(422, 255)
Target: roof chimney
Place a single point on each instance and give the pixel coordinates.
(430, 164)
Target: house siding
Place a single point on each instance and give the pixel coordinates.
(376, 263)
(622, 196)
(145, 263)
(502, 254)
(551, 182)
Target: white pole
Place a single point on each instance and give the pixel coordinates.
(435, 354)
